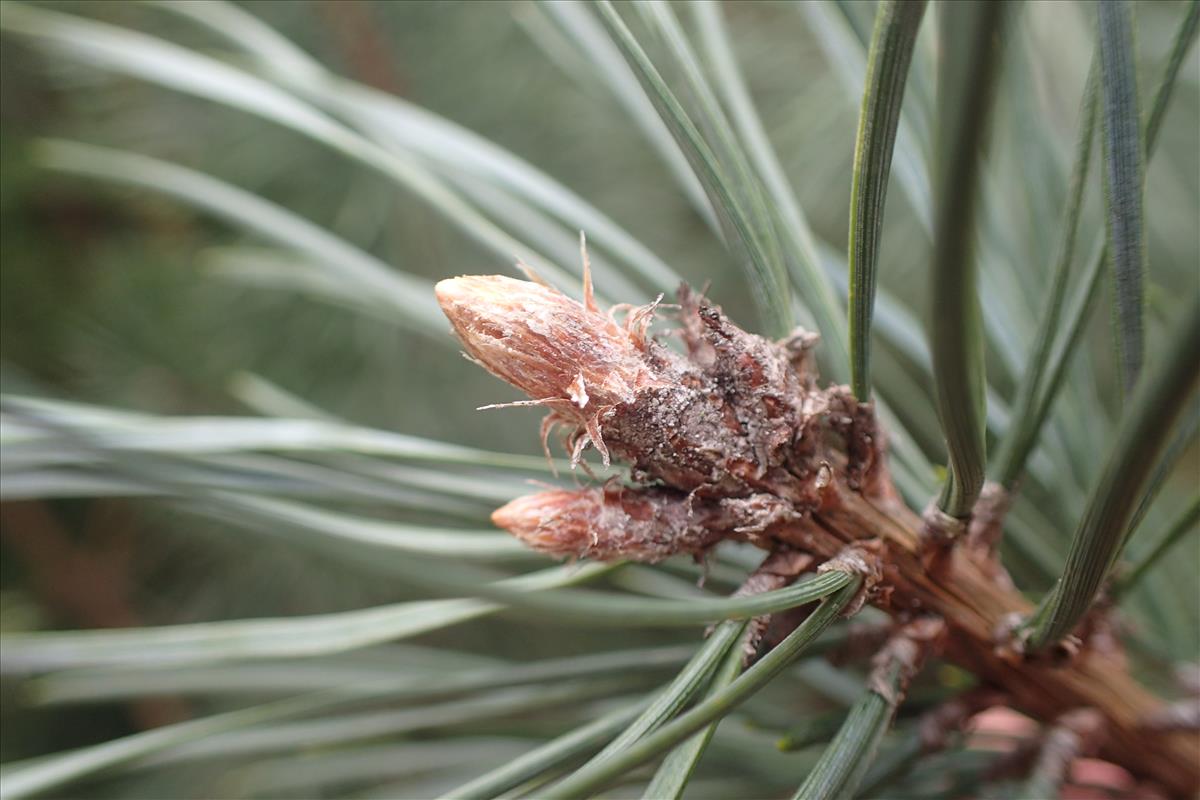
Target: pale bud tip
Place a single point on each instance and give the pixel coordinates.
(473, 289)
(556, 522)
(448, 290)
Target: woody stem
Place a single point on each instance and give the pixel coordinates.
(958, 584)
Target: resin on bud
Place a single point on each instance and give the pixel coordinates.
(565, 355)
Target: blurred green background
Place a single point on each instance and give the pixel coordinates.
(109, 295)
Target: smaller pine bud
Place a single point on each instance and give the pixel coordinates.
(613, 522)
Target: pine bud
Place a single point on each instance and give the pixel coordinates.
(610, 522)
(561, 353)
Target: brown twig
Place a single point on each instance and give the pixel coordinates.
(736, 433)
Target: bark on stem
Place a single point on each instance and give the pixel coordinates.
(735, 440)
(959, 588)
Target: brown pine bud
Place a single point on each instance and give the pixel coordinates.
(612, 522)
(563, 354)
(543, 342)
(638, 523)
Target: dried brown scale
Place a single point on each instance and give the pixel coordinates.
(777, 571)
(861, 558)
(987, 519)
(727, 421)
(987, 526)
(938, 528)
(903, 656)
(735, 440)
(1101, 627)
